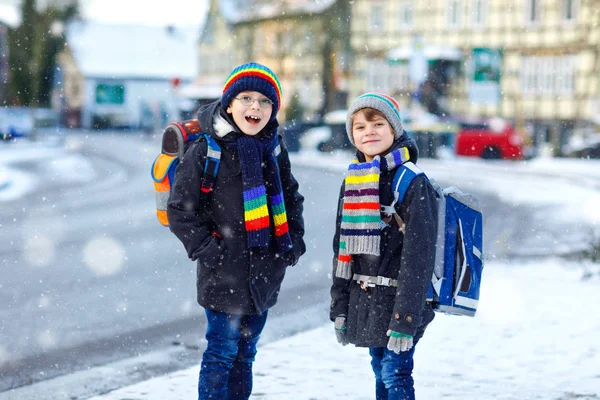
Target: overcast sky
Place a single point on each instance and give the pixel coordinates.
(172, 12)
(178, 12)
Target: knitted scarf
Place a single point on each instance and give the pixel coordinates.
(262, 202)
(360, 230)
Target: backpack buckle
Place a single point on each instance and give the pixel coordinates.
(365, 285)
(206, 188)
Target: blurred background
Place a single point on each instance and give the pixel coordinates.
(482, 78)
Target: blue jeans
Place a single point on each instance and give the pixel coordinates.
(393, 373)
(226, 369)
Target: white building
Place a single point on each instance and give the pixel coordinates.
(123, 75)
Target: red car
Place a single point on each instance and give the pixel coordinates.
(491, 139)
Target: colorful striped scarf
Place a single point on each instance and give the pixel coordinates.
(360, 230)
(262, 202)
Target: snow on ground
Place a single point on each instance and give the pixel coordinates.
(528, 341)
(534, 337)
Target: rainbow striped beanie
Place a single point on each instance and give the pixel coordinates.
(253, 77)
(380, 102)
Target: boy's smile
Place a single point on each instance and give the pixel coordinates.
(371, 137)
(251, 119)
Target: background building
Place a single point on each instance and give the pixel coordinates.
(534, 61)
(124, 76)
(295, 38)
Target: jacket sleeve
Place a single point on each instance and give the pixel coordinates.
(419, 213)
(294, 203)
(340, 288)
(185, 204)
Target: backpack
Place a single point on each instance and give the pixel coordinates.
(456, 277)
(176, 139)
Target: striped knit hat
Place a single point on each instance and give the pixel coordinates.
(253, 77)
(385, 104)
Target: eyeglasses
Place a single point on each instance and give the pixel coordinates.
(248, 101)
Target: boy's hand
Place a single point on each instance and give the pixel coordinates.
(399, 342)
(340, 330)
(290, 257)
(213, 254)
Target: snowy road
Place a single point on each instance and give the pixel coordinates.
(93, 278)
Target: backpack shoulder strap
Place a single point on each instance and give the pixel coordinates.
(403, 177)
(277, 148)
(211, 166)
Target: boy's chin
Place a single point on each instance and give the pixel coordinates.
(252, 130)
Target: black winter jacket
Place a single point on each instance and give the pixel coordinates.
(231, 277)
(408, 257)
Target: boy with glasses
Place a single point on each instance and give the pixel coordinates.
(245, 232)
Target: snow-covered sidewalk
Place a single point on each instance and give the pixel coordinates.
(534, 337)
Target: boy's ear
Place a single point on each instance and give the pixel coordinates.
(229, 110)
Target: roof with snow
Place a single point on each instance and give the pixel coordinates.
(236, 11)
(134, 51)
(10, 15)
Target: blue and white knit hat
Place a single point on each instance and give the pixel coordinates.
(380, 102)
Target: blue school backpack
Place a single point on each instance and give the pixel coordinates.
(456, 277)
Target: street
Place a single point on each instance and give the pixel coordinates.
(92, 278)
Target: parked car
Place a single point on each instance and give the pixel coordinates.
(494, 138)
(16, 122)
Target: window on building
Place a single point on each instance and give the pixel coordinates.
(377, 75)
(376, 22)
(398, 76)
(569, 10)
(548, 75)
(533, 11)
(405, 15)
(565, 74)
(454, 13)
(479, 12)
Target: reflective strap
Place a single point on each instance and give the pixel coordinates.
(477, 252)
(162, 198)
(372, 281)
(389, 210)
(277, 150)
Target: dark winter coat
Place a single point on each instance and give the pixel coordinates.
(408, 257)
(231, 277)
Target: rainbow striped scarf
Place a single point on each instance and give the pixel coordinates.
(360, 230)
(262, 202)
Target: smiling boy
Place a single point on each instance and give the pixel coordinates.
(382, 264)
(245, 232)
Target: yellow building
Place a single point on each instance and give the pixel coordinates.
(535, 61)
(294, 38)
